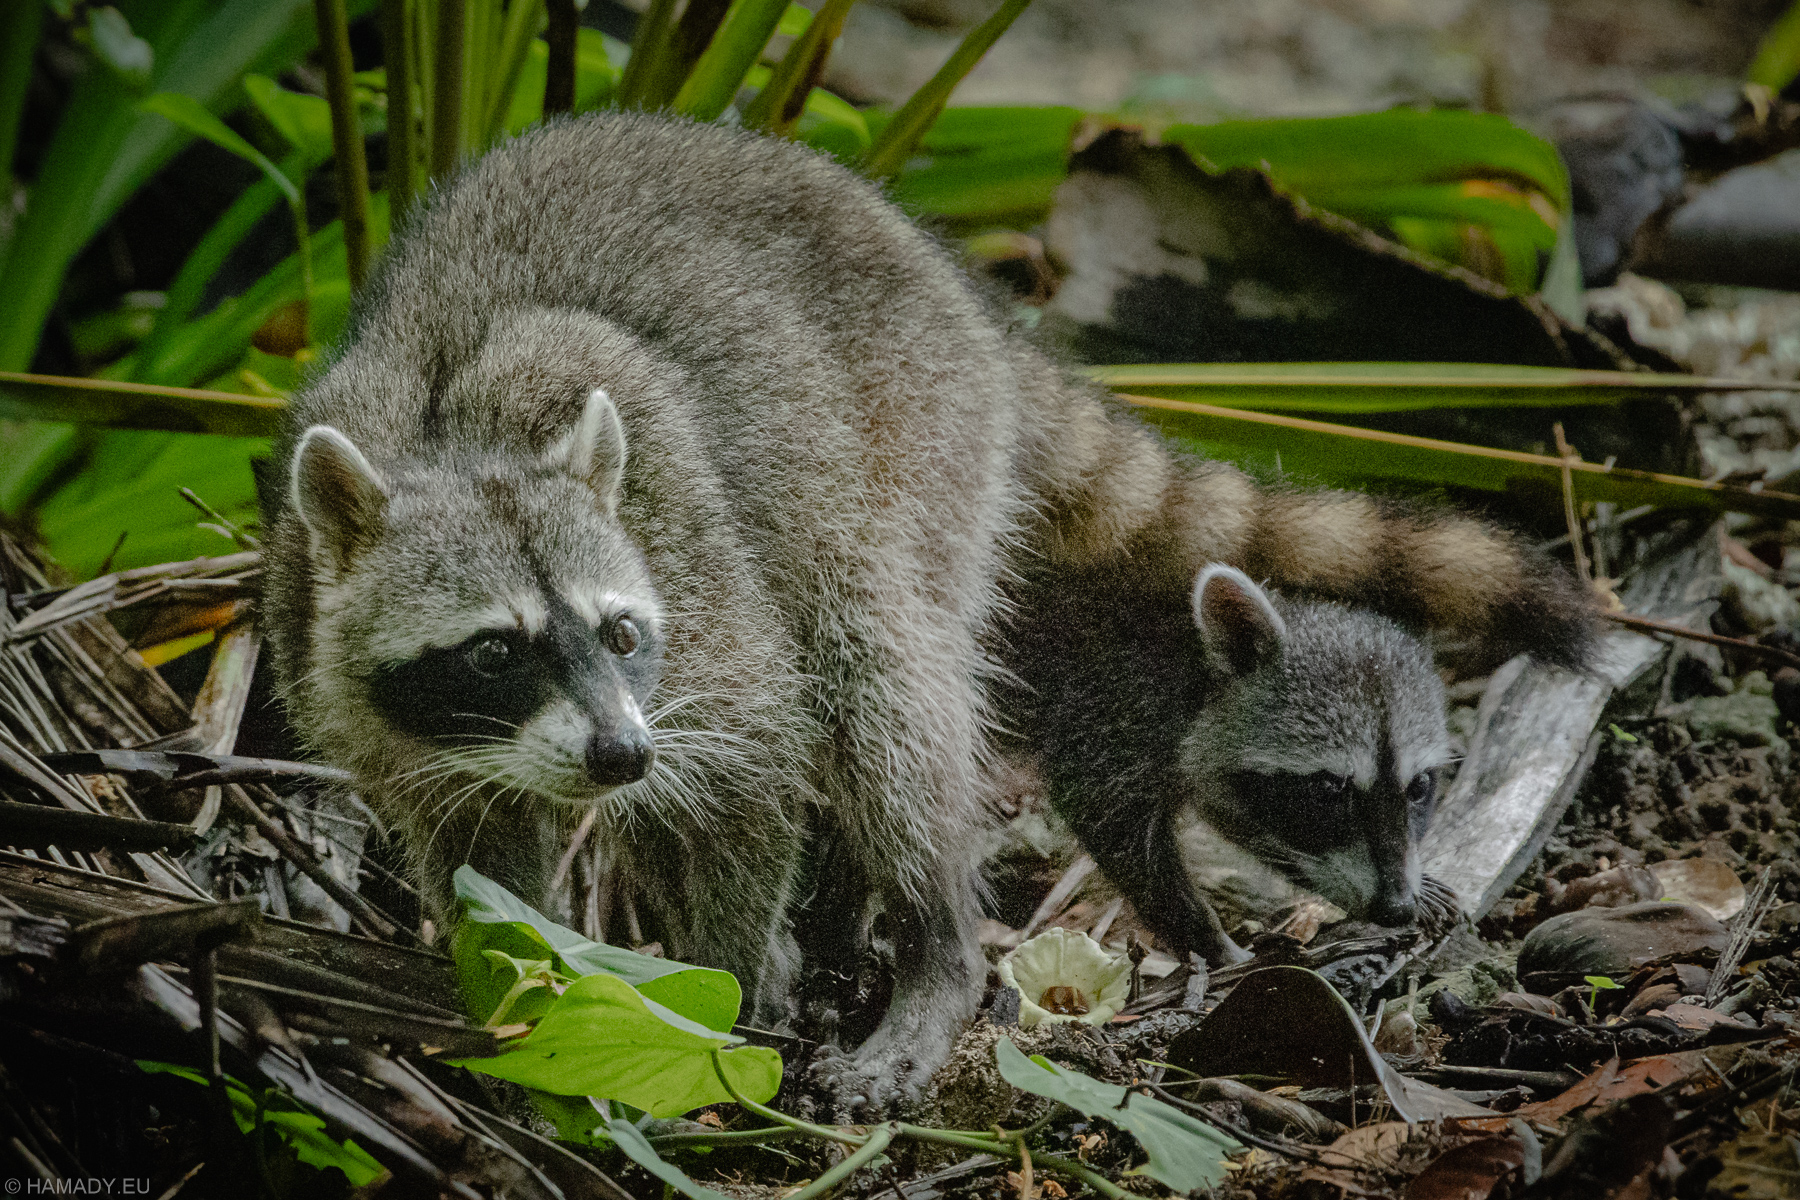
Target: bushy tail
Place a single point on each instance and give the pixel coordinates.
(1112, 496)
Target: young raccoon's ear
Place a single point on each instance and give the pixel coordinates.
(1238, 626)
(337, 495)
(594, 451)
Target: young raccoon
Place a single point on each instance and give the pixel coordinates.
(1306, 732)
(671, 473)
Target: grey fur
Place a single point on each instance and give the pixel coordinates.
(1337, 694)
(832, 458)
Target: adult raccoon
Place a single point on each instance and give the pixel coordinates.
(1309, 733)
(671, 472)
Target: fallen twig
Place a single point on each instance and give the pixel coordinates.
(1652, 625)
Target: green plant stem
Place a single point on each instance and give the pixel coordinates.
(403, 153)
(521, 25)
(20, 27)
(346, 137)
(898, 138)
(730, 1137)
(830, 1133)
(781, 102)
(720, 71)
(694, 32)
(1083, 1172)
(303, 238)
(559, 72)
(189, 285)
(655, 28)
(863, 1155)
(957, 1137)
(447, 90)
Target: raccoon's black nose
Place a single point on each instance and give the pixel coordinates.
(620, 756)
(1394, 911)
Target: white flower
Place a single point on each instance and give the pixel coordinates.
(1062, 975)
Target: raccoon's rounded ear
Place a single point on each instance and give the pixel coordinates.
(1239, 627)
(594, 450)
(337, 495)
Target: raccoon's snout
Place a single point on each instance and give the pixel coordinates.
(1395, 910)
(621, 755)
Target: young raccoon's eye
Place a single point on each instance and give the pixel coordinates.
(622, 638)
(491, 657)
(1423, 788)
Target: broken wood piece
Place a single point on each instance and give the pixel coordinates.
(113, 945)
(1534, 736)
(38, 826)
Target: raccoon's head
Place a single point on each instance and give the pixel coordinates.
(1321, 742)
(482, 617)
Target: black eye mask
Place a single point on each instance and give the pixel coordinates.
(489, 685)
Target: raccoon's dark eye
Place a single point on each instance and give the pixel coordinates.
(491, 657)
(1422, 790)
(622, 638)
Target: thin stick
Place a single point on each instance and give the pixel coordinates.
(403, 152)
(1652, 625)
(447, 95)
(559, 77)
(1568, 455)
(346, 137)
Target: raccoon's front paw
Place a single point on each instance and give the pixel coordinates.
(869, 1084)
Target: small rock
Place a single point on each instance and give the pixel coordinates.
(1613, 942)
(1747, 716)
(1756, 603)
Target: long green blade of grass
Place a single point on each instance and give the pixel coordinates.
(103, 149)
(778, 106)
(894, 145)
(346, 136)
(397, 52)
(1317, 452)
(1347, 387)
(20, 27)
(119, 405)
(733, 50)
(642, 77)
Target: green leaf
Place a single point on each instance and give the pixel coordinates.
(495, 919)
(121, 405)
(1317, 452)
(131, 483)
(305, 121)
(301, 1131)
(120, 49)
(192, 116)
(794, 21)
(580, 1119)
(1777, 60)
(894, 144)
(628, 1138)
(1371, 387)
(1184, 1153)
(104, 149)
(1470, 188)
(982, 167)
(603, 1038)
(727, 59)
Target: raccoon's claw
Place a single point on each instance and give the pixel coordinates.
(867, 1086)
(1438, 906)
